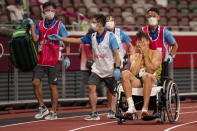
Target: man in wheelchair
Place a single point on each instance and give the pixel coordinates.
(145, 71)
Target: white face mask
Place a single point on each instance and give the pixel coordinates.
(49, 15)
(110, 25)
(152, 21)
(94, 27)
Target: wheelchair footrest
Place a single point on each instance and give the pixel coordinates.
(150, 118)
(124, 117)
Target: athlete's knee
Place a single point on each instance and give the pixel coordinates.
(92, 88)
(36, 83)
(125, 75)
(146, 76)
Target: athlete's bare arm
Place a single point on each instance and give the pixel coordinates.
(131, 49)
(135, 60)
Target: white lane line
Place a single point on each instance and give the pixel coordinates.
(105, 123)
(113, 122)
(188, 112)
(45, 120)
(82, 116)
(189, 107)
(180, 125)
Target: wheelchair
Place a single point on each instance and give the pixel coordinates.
(164, 100)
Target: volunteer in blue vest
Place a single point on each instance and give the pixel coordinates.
(159, 36)
(106, 52)
(49, 57)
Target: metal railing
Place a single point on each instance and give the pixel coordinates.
(63, 75)
(77, 27)
(192, 73)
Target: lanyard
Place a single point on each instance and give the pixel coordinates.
(48, 28)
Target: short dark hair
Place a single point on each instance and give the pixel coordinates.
(154, 9)
(101, 18)
(49, 4)
(141, 35)
(95, 16)
(110, 16)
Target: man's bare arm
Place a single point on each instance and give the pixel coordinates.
(71, 40)
(33, 33)
(117, 57)
(153, 65)
(67, 50)
(174, 49)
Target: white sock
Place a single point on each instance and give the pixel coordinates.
(130, 102)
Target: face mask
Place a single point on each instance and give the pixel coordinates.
(152, 21)
(110, 25)
(49, 15)
(94, 27)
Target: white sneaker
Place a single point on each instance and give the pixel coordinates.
(111, 114)
(131, 111)
(92, 116)
(51, 116)
(41, 113)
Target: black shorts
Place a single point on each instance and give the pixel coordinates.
(110, 82)
(52, 73)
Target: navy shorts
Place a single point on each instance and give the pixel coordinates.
(52, 73)
(110, 82)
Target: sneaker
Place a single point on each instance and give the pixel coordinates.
(51, 116)
(111, 114)
(92, 116)
(131, 111)
(41, 112)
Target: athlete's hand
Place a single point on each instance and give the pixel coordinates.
(117, 74)
(143, 48)
(170, 58)
(66, 63)
(55, 37)
(30, 21)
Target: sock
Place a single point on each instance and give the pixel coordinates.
(130, 102)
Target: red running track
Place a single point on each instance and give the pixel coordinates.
(187, 122)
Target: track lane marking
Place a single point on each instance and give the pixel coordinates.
(168, 129)
(82, 116)
(83, 127)
(46, 120)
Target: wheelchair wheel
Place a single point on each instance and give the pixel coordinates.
(172, 101)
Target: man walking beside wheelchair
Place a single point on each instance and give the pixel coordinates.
(145, 70)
